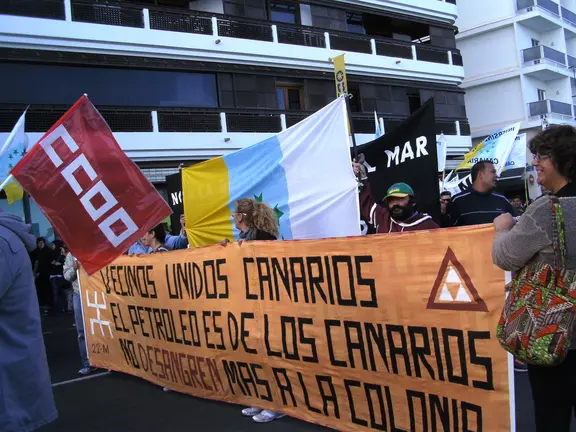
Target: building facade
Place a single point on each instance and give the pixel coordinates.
(184, 81)
(520, 63)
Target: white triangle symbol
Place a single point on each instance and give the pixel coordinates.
(463, 295)
(452, 276)
(445, 294)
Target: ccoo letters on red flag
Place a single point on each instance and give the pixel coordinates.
(94, 196)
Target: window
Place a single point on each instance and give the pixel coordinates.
(414, 102)
(290, 97)
(541, 95)
(354, 23)
(355, 105)
(284, 13)
(54, 85)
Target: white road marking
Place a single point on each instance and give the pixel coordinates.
(84, 378)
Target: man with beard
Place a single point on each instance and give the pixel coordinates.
(398, 212)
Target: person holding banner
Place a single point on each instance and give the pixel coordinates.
(399, 212)
(26, 399)
(535, 241)
(71, 267)
(256, 221)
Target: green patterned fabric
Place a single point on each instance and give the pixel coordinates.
(537, 321)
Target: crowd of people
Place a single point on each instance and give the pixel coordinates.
(523, 235)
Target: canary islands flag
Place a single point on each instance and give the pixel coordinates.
(11, 152)
(304, 173)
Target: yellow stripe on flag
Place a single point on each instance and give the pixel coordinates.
(468, 156)
(13, 192)
(208, 218)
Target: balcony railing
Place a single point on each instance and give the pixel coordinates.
(176, 20)
(39, 118)
(51, 9)
(550, 107)
(547, 5)
(542, 52)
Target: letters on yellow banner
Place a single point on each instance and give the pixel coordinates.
(393, 332)
(340, 75)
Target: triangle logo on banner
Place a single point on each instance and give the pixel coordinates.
(453, 289)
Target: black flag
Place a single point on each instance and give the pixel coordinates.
(407, 154)
(174, 187)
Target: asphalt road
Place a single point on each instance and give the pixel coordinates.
(114, 402)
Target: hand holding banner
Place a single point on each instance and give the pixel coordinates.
(94, 196)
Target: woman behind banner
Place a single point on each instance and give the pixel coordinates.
(256, 221)
(532, 243)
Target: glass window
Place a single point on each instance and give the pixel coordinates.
(291, 98)
(354, 23)
(48, 84)
(284, 12)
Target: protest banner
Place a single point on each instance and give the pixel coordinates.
(392, 332)
(174, 189)
(304, 173)
(517, 157)
(94, 196)
(495, 148)
(407, 154)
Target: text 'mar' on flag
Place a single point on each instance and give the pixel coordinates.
(304, 173)
(408, 154)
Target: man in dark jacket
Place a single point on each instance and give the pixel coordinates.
(26, 400)
(398, 212)
(479, 205)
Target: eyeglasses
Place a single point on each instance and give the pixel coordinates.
(238, 214)
(540, 157)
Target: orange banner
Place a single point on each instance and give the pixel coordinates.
(393, 332)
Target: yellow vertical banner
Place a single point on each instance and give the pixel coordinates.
(340, 75)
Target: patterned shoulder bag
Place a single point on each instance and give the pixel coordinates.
(537, 321)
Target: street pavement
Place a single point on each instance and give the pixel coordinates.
(114, 402)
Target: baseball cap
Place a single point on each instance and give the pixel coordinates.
(399, 190)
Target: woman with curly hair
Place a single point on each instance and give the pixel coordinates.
(256, 221)
(531, 241)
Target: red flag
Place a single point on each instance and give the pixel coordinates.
(94, 196)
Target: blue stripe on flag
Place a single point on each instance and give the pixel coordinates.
(256, 172)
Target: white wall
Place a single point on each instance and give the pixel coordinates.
(560, 90)
(474, 13)
(495, 104)
(214, 6)
(479, 60)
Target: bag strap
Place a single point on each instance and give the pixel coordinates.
(558, 233)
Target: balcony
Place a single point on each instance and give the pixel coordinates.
(552, 108)
(203, 132)
(191, 35)
(539, 15)
(544, 63)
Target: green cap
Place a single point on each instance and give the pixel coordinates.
(399, 190)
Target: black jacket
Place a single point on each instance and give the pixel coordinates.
(476, 208)
(263, 235)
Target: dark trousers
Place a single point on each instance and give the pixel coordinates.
(554, 394)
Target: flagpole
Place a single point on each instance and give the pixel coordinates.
(8, 180)
(347, 97)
